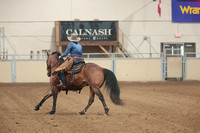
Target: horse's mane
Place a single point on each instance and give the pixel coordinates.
(57, 53)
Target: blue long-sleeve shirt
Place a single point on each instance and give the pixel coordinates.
(74, 50)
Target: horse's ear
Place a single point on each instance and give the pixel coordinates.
(47, 53)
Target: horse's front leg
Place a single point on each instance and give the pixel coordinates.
(55, 94)
(37, 107)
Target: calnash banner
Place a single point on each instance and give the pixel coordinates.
(90, 31)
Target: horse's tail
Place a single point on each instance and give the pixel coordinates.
(112, 86)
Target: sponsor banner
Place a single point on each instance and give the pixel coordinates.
(186, 11)
(89, 31)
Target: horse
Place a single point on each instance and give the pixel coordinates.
(91, 75)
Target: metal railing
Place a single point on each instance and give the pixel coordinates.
(6, 56)
(2, 41)
(3, 55)
(126, 45)
(85, 55)
(192, 55)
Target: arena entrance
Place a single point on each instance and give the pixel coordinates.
(174, 57)
(173, 61)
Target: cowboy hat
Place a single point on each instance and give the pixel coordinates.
(74, 38)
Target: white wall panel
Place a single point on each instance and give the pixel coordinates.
(5, 72)
(193, 70)
(29, 24)
(34, 10)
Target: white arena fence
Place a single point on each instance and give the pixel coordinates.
(192, 66)
(127, 67)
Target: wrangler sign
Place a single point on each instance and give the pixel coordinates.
(186, 11)
(90, 32)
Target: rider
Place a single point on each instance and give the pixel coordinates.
(74, 48)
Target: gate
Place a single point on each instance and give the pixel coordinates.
(173, 61)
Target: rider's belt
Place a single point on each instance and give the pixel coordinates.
(77, 57)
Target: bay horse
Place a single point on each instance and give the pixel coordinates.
(91, 75)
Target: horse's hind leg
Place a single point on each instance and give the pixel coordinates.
(90, 101)
(37, 107)
(100, 95)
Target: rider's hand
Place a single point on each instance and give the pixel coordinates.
(61, 58)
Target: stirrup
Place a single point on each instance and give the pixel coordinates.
(59, 85)
(64, 87)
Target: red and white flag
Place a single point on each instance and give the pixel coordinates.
(159, 8)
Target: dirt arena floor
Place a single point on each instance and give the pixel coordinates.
(149, 107)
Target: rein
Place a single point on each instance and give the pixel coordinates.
(55, 64)
(53, 67)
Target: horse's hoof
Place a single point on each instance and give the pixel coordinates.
(106, 111)
(81, 113)
(36, 108)
(106, 114)
(52, 112)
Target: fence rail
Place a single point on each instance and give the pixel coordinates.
(5, 56)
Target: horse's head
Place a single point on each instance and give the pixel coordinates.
(52, 62)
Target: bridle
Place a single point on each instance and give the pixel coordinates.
(49, 71)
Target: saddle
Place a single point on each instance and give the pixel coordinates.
(76, 68)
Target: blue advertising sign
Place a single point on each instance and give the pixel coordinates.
(186, 11)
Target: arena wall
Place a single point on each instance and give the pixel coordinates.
(31, 71)
(193, 69)
(30, 25)
(125, 69)
(138, 70)
(35, 71)
(5, 71)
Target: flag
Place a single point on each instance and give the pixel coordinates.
(159, 8)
